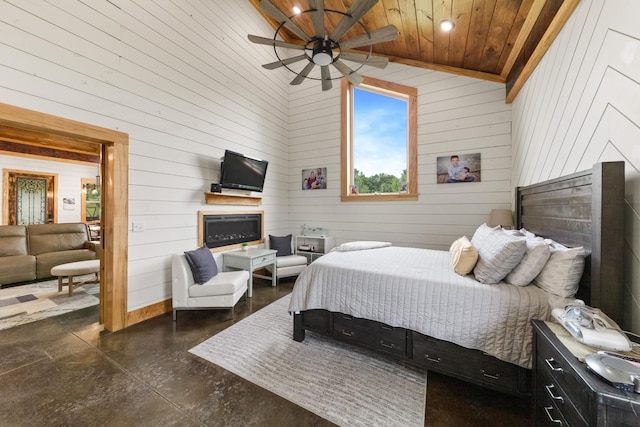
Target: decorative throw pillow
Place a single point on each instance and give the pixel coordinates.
(481, 233)
(498, 254)
(561, 274)
(203, 266)
(532, 263)
(463, 256)
(280, 244)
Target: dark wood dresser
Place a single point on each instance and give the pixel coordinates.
(567, 394)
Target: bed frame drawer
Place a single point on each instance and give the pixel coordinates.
(470, 365)
(381, 337)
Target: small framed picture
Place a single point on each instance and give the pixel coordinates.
(314, 179)
(404, 187)
(353, 189)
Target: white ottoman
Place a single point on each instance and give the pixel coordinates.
(75, 269)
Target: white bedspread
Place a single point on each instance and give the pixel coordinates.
(417, 289)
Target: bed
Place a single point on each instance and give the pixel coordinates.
(408, 303)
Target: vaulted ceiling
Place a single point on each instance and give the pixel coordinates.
(496, 40)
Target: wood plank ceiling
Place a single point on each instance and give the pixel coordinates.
(496, 40)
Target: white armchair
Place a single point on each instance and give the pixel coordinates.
(222, 291)
(286, 265)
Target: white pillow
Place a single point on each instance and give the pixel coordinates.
(561, 274)
(463, 256)
(360, 245)
(527, 233)
(481, 234)
(532, 263)
(498, 254)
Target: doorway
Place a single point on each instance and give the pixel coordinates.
(29, 127)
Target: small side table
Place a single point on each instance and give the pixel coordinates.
(251, 260)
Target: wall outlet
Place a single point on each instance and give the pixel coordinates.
(138, 226)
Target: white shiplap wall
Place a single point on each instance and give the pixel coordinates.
(456, 115)
(181, 78)
(69, 180)
(581, 107)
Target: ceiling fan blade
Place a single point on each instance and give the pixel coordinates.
(325, 75)
(363, 58)
(303, 74)
(280, 17)
(351, 75)
(357, 10)
(384, 34)
(278, 64)
(317, 16)
(272, 42)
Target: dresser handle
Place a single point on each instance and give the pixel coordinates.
(553, 420)
(348, 333)
(493, 377)
(382, 343)
(431, 359)
(551, 395)
(551, 359)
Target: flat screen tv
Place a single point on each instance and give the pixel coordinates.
(242, 172)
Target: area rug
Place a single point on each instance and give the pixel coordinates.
(35, 301)
(339, 382)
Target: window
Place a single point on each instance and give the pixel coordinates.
(382, 167)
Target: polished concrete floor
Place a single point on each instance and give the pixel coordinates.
(68, 371)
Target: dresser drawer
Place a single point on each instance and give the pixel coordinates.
(551, 364)
(555, 404)
(263, 260)
(371, 334)
(473, 365)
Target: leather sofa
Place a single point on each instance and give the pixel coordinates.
(29, 252)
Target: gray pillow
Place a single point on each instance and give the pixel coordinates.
(498, 254)
(203, 266)
(532, 263)
(280, 244)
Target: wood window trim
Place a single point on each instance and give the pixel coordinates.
(412, 146)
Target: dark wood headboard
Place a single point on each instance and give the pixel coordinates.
(583, 209)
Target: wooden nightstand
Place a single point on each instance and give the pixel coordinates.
(567, 394)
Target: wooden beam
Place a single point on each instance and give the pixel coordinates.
(558, 22)
(40, 152)
(451, 70)
(523, 35)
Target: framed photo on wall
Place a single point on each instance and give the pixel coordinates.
(314, 179)
(458, 168)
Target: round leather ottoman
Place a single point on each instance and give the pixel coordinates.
(72, 269)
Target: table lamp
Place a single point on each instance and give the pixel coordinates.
(502, 217)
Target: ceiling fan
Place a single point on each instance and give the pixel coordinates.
(326, 48)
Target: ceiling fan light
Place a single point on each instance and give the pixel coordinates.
(447, 25)
(322, 53)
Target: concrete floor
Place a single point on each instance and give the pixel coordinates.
(68, 371)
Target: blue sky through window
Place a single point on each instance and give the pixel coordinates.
(379, 133)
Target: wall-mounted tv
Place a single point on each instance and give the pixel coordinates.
(241, 172)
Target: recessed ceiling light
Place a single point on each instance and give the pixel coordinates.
(296, 10)
(447, 25)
